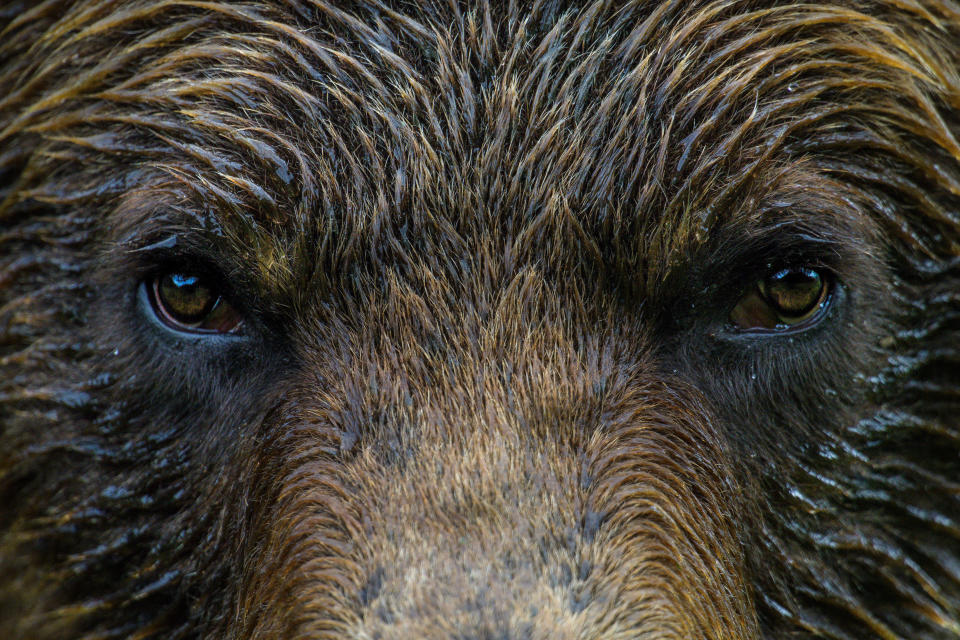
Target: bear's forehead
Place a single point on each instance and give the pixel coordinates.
(629, 131)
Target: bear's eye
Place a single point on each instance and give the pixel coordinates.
(786, 299)
(187, 302)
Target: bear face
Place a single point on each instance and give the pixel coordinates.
(437, 320)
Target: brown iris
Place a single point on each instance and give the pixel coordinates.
(187, 302)
(785, 299)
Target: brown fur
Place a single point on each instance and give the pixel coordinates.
(486, 386)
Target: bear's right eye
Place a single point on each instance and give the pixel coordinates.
(187, 302)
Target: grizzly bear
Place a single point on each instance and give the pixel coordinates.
(383, 319)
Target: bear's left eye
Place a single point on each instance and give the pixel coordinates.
(786, 299)
(187, 302)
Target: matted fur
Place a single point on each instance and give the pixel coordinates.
(486, 386)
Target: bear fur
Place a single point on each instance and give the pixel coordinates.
(486, 384)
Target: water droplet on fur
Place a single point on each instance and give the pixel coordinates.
(828, 454)
(792, 87)
(73, 399)
(114, 492)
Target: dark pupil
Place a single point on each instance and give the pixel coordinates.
(794, 292)
(185, 297)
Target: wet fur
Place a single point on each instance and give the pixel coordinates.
(486, 253)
